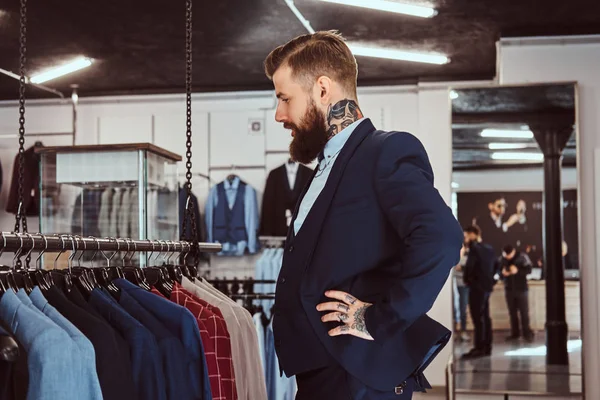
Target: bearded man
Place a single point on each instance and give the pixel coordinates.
(371, 242)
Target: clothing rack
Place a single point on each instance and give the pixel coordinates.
(240, 281)
(235, 167)
(30, 242)
(277, 241)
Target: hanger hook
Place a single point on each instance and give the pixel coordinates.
(113, 254)
(95, 252)
(84, 250)
(3, 243)
(32, 245)
(62, 250)
(133, 252)
(149, 256)
(126, 253)
(75, 246)
(18, 252)
(38, 263)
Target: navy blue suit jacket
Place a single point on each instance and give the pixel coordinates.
(380, 231)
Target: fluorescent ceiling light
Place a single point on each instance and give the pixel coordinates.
(507, 146)
(389, 6)
(455, 185)
(505, 133)
(518, 156)
(53, 73)
(453, 94)
(391, 54)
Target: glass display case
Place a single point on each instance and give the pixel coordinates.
(127, 191)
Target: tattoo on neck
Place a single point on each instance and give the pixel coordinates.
(341, 115)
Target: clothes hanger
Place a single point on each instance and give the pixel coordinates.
(103, 277)
(232, 174)
(87, 271)
(15, 278)
(174, 271)
(44, 282)
(132, 273)
(28, 274)
(5, 271)
(79, 274)
(163, 283)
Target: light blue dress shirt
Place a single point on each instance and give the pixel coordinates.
(331, 151)
(250, 217)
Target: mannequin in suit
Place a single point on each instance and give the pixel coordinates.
(371, 242)
(284, 186)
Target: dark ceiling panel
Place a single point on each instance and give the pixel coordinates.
(139, 45)
(533, 104)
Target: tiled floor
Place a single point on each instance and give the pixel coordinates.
(519, 368)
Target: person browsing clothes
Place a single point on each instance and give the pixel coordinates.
(371, 242)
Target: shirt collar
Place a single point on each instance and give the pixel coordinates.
(291, 167)
(233, 185)
(336, 143)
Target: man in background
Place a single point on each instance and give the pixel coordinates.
(479, 276)
(516, 265)
(494, 228)
(461, 295)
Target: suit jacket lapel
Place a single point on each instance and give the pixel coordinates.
(318, 212)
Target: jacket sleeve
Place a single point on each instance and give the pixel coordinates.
(430, 236)
(525, 265)
(268, 202)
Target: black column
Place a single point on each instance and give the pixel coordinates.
(552, 142)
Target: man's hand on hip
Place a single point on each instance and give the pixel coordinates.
(349, 311)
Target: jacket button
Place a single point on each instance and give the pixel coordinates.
(282, 280)
(291, 248)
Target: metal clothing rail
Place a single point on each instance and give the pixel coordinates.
(31, 242)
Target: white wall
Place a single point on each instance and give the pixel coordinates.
(512, 180)
(561, 60)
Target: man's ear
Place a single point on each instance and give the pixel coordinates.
(324, 87)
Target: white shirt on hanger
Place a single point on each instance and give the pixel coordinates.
(292, 172)
(247, 365)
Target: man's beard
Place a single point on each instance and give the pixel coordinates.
(310, 137)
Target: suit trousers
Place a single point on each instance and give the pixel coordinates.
(334, 383)
(518, 305)
(479, 305)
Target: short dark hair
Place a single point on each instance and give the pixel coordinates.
(473, 229)
(508, 249)
(312, 55)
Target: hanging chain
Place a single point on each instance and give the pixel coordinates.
(190, 204)
(21, 217)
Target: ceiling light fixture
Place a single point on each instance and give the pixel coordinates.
(453, 94)
(53, 73)
(506, 133)
(389, 6)
(507, 146)
(392, 54)
(518, 156)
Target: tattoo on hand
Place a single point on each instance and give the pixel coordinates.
(343, 317)
(350, 300)
(345, 328)
(343, 307)
(341, 115)
(359, 320)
